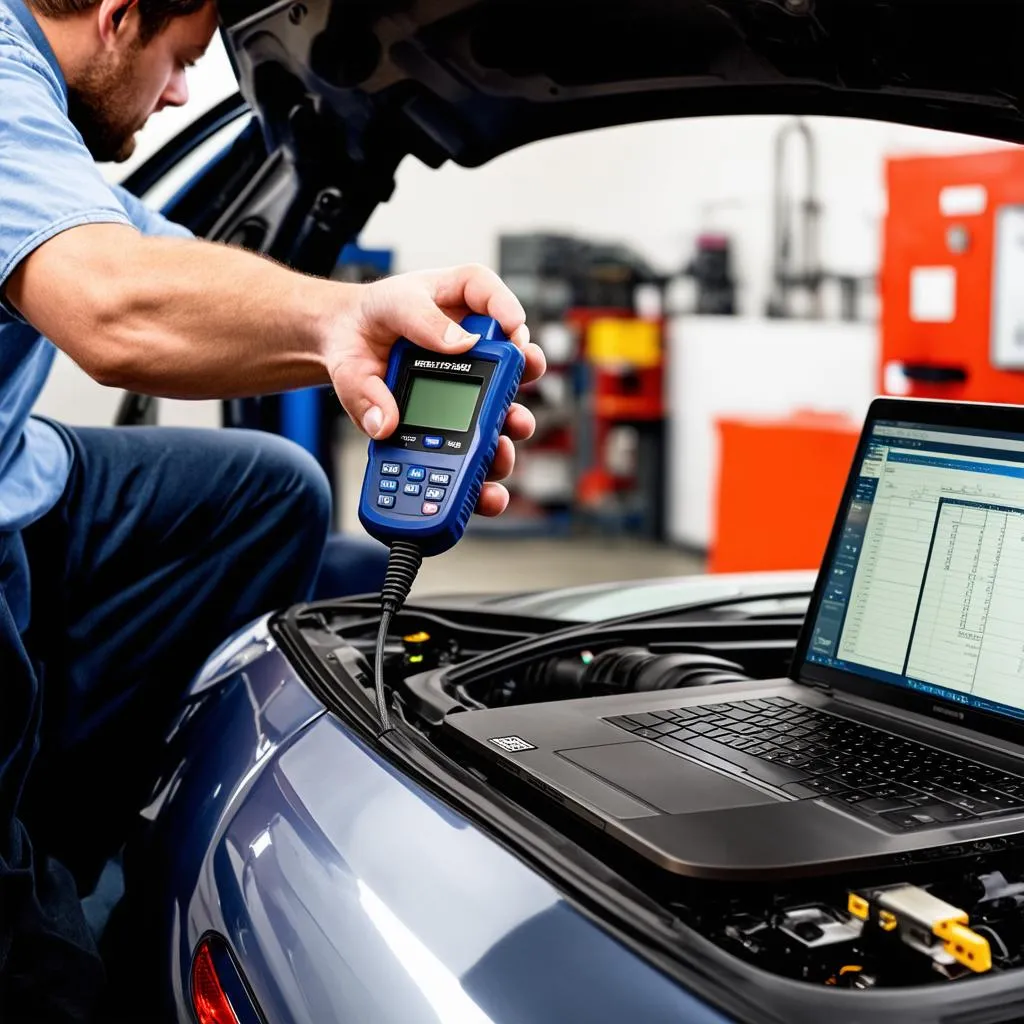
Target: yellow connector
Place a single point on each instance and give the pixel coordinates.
(417, 638)
(858, 906)
(967, 947)
(887, 920)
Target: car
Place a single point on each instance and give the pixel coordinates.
(297, 863)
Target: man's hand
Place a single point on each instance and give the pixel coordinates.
(426, 308)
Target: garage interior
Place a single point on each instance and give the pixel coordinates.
(742, 770)
(718, 299)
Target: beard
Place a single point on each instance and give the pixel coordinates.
(100, 105)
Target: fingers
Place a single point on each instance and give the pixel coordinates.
(410, 310)
(493, 500)
(519, 423)
(480, 289)
(367, 400)
(536, 363)
(504, 460)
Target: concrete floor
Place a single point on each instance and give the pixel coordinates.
(494, 564)
(499, 564)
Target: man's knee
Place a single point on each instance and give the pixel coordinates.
(303, 488)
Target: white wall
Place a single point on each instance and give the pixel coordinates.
(657, 185)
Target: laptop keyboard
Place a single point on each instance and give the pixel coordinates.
(811, 753)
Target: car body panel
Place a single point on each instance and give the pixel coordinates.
(346, 891)
(597, 601)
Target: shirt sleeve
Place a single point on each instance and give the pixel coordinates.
(147, 220)
(48, 180)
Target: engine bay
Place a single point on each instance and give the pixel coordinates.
(952, 915)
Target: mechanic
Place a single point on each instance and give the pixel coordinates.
(127, 555)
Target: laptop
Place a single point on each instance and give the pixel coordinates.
(901, 726)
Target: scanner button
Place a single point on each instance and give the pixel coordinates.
(390, 468)
(429, 508)
(388, 484)
(443, 479)
(386, 500)
(432, 441)
(434, 493)
(416, 473)
(411, 489)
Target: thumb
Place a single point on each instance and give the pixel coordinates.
(422, 321)
(368, 402)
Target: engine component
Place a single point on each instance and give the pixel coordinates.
(925, 923)
(624, 670)
(818, 925)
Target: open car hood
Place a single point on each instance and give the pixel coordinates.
(348, 88)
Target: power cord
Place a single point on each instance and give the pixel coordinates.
(404, 560)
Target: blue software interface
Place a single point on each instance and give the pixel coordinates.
(926, 586)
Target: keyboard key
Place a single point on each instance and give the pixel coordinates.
(740, 714)
(702, 727)
(825, 786)
(627, 721)
(745, 730)
(648, 734)
(877, 805)
(793, 760)
(819, 750)
(743, 743)
(888, 790)
(646, 719)
(680, 744)
(850, 797)
(666, 727)
(819, 766)
(927, 815)
(973, 805)
(665, 716)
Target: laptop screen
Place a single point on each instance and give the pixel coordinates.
(925, 588)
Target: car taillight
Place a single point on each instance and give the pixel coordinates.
(219, 994)
(209, 999)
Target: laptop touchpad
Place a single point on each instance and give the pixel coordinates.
(664, 780)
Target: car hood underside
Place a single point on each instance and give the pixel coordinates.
(466, 80)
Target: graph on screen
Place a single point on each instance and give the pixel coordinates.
(967, 629)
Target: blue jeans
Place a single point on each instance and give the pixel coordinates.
(165, 541)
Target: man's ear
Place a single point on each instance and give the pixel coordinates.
(111, 16)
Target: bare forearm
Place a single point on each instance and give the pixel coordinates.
(179, 318)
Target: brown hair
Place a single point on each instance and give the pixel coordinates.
(154, 15)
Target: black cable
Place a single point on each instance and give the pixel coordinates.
(404, 561)
(378, 669)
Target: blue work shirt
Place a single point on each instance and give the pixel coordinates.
(48, 184)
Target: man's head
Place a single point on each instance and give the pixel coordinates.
(123, 61)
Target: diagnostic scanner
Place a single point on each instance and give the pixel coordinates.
(422, 482)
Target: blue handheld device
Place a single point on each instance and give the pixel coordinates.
(422, 482)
